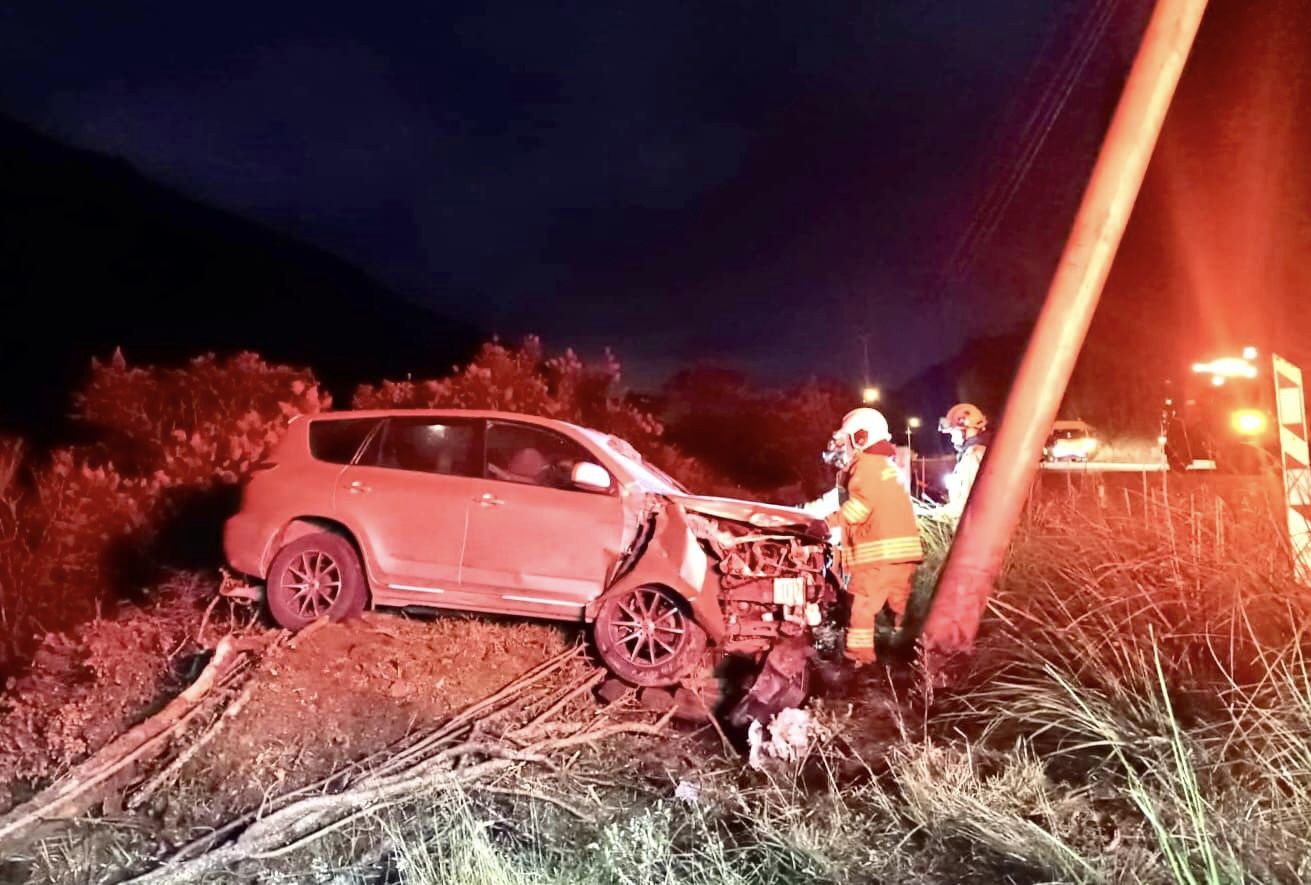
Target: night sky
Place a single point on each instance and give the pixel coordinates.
(749, 183)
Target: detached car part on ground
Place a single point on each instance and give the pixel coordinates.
(511, 514)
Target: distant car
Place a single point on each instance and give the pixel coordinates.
(510, 514)
(1071, 441)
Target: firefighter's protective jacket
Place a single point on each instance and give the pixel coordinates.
(961, 479)
(877, 520)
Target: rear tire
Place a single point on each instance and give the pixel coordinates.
(646, 636)
(314, 576)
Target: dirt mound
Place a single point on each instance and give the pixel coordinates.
(317, 702)
(342, 691)
(89, 684)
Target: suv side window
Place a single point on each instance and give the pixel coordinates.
(532, 455)
(336, 440)
(426, 445)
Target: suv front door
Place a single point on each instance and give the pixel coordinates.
(408, 498)
(535, 539)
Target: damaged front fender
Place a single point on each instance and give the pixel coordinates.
(666, 553)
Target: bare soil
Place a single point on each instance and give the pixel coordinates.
(342, 692)
(318, 701)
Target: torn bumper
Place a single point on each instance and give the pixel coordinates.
(669, 554)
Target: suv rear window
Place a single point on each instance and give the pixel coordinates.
(425, 445)
(336, 441)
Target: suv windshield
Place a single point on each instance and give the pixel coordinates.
(649, 476)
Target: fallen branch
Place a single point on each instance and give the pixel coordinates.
(75, 792)
(400, 759)
(210, 839)
(462, 753)
(537, 797)
(535, 725)
(166, 775)
(333, 827)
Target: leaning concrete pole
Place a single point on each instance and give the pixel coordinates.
(995, 504)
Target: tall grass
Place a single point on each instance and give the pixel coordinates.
(1167, 679)
(1139, 711)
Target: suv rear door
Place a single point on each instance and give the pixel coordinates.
(542, 544)
(408, 496)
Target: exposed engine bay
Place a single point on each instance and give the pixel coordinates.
(771, 584)
(775, 589)
(757, 582)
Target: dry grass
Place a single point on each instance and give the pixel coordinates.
(1140, 712)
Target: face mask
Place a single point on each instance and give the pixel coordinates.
(838, 452)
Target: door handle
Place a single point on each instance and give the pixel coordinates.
(487, 499)
(358, 488)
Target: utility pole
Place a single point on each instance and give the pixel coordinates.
(998, 498)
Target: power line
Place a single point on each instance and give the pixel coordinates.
(993, 208)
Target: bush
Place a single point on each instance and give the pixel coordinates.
(75, 524)
(767, 440)
(526, 380)
(203, 423)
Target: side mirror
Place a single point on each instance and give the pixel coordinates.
(593, 477)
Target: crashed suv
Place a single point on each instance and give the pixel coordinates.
(512, 514)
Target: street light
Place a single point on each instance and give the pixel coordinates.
(912, 424)
(870, 395)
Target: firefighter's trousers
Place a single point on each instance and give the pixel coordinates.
(871, 587)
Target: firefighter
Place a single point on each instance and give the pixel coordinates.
(967, 426)
(880, 540)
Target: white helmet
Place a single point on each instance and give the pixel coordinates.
(864, 427)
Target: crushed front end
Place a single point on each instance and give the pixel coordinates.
(759, 581)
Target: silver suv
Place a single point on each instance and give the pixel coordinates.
(512, 514)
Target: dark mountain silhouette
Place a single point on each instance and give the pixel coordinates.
(93, 255)
(981, 373)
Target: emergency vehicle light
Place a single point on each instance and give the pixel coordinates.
(1226, 367)
(1248, 422)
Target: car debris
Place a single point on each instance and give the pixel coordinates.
(687, 792)
(791, 732)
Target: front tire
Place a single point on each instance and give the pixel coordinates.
(314, 576)
(646, 636)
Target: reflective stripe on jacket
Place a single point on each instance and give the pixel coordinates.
(878, 522)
